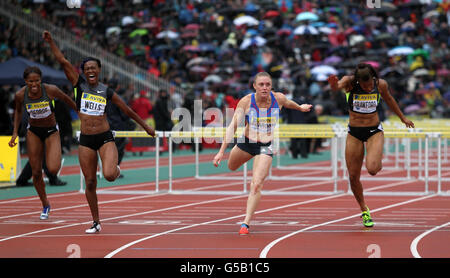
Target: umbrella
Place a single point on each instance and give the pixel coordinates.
(114, 29)
(198, 69)
(192, 26)
(355, 39)
(271, 13)
(138, 32)
(420, 52)
(373, 20)
(306, 30)
(420, 72)
(284, 32)
(443, 72)
(431, 13)
(332, 60)
(306, 16)
(200, 61)
(245, 20)
(389, 70)
(192, 48)
(213, 78)
(400, 50)
(258, 41)
(372, 63)
(126, 20)
(167, 34)
(323, 69)
(11, 72)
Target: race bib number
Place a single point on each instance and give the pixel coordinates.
(39, 110)
(365, 103)
(92, 104)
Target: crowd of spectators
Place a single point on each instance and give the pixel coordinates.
(200, 46)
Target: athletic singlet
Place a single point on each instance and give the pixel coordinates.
(40, 108)
(91, 101)
(263, 120)
(361, 102)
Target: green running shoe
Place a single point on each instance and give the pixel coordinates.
(367, 220)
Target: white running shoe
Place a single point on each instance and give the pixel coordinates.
(94, 229)
(45, 213)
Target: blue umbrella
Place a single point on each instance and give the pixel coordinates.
(307, 16)
(11, 72)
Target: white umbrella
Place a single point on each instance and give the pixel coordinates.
(213, 78)
(420, 72)
(245, 19)
(355, 39)
(324, 70)
(126, 20)
(400, 50)
(306, 30)
(258, 41)
(112, 30)
(167, 34)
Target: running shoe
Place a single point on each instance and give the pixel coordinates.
(94, 229)
(244, 229)
(367, 220)
(45, 212)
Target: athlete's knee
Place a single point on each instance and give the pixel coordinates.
(53, 169)
(256, 186)
(353, 178)
(91, 184)
(232, 166)
(111, 174)
(373, 168)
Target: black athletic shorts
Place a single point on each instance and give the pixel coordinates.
(43, 132)
(255, 148)
(364, 133)
(95, 141)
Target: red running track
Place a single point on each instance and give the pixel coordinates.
(188, 226)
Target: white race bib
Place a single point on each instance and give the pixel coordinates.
(92, 104)
(39, 110)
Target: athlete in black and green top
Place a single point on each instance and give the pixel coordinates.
(92, 97)
(37, 99)
(364, 92)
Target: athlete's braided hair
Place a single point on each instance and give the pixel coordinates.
(364, 72)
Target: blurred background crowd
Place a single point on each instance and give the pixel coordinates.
(212, 48)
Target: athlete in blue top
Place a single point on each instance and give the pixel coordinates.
(364, 91)
(260, 111)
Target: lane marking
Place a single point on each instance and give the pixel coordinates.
(267, 248)
(415, 242)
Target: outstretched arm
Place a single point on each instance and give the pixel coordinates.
(70, 72)
(337, 84)
(384, 91)
(56, 92)
(238, 117)
(130, 113)
(287, 103)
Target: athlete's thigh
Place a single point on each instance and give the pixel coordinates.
(53, 151)
(354, 154)
(35, 150)
(374, 149)
(88, 162)
(238, 157)
(261, 167)
(109, 156)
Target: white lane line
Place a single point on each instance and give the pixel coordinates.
(267, 248)
(113, 253)
(415, 242)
